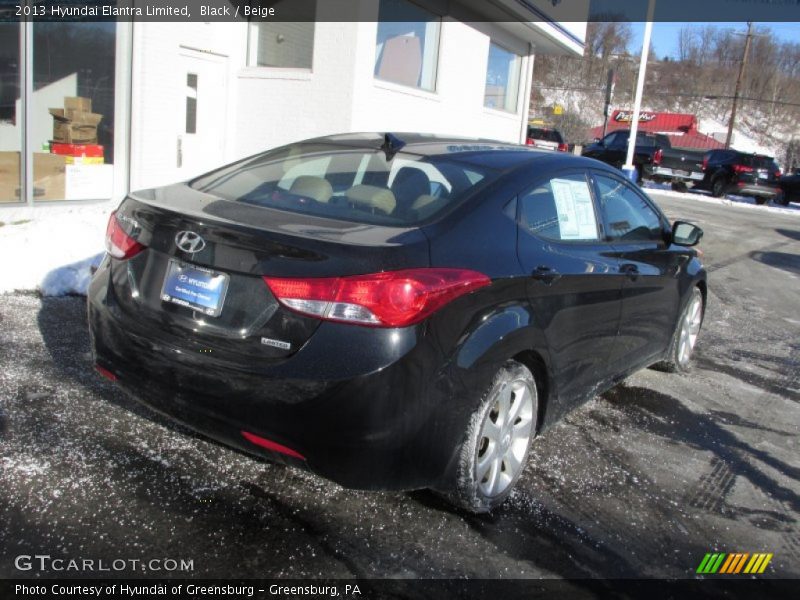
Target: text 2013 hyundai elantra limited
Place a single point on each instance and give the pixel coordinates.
(392, 311)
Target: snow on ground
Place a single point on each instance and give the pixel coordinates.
(51, 249)
(729, 200)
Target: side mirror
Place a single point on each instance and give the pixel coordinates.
(686, 234)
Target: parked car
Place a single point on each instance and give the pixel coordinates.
(328, 305)
(546, 139)
(790, 188)
(654, 157)
(734, 172)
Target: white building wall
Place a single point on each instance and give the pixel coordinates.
(279, 106)
(159, 89)
(269, 107)
(456, 107)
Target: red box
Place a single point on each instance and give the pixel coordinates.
(88, 150)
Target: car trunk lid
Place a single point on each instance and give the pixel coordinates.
(210, 295)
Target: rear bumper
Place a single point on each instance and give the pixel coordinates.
(754, 189)
(674, 174)
(369, 412)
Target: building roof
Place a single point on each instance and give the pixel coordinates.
(680, 128)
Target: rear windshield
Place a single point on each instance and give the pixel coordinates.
(347, 183)
(549, 135)
(651, 141)
(757, 162)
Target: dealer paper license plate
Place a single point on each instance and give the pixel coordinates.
(195, 287)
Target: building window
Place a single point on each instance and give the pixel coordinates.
(502, 79)
(407, 49)
(288, 45)
(10, 117)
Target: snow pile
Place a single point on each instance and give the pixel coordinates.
(729, 200)
(52, 248)
(741, 141)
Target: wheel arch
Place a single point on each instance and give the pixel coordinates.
(537, 366)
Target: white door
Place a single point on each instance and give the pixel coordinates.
(202, 113)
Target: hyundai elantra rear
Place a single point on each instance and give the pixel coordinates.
(353, 305)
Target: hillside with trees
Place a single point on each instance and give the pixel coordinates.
(700, 80)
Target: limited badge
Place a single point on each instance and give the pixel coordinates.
(276, 343)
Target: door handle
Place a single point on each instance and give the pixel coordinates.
(545, 274)
(630, 270)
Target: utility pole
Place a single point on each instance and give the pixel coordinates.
(609, 92)
(739, 83)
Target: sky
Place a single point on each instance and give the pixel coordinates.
(665, 35)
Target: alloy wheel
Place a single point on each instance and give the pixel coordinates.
(690, 328)
(505, 436)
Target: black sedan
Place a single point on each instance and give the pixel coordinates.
(393, 311)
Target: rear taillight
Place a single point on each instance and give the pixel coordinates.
(778, 173)
(270, 445)
(388, 299)
(705, 163)
(118, 243)
(657, 156)
(563, 148)
(105, 373)
(742, 169)
(530, 142)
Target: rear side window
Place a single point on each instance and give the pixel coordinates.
(755, 161)
(549, 135)
(347, 183)
(628, 216)
(560, 209)
(648, 141)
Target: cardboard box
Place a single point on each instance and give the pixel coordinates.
(9, 176)
(93, 150)
(78, 103)
(80, 129)
(49, 176)
(85, 160)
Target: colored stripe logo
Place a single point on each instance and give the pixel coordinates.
(734, 563)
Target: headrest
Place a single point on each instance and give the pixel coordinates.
(426, 205)
(371, 196)
(316, 188)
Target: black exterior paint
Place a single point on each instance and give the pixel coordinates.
(368, 407)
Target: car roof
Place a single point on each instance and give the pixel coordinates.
(479, 151)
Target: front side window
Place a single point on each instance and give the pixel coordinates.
(560, 209)
(407, 45)
(288, 45)
(348, 184)
(628, 216)
(502, 79)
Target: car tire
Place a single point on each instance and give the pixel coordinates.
(718, 187)
(782, 199)
(492, 455)
(685, 337)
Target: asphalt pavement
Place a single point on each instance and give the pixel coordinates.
(642, 481)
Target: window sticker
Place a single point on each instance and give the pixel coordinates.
(576, 217)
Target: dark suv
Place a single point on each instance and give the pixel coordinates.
(734, 172)
(546, 139)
